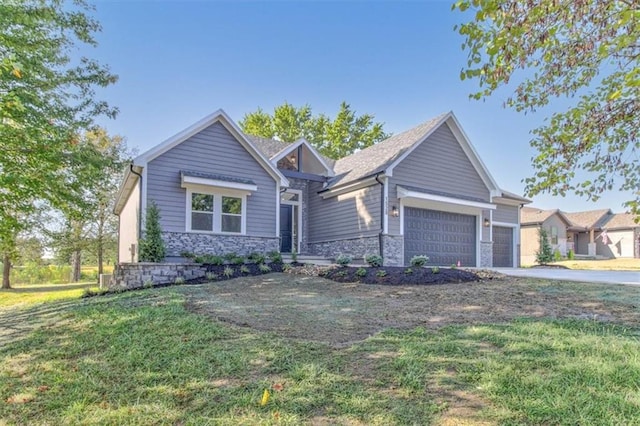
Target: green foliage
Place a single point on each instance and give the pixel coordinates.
(228, 272)
(286, 267)
(361, 272)
(264, 268)
(275, 256)
(435, 270)
(453, 266)
(294, 256)
(419, 260)
(257, 258)
(584, 52)
(571, 255)
(151, 246)
(381, 273)
(189, 255)
(147, 284)
(557, 256)
(373, 260)
(336, 138)
(408, 271)
(341, 273)
(209, 259)
(544, 254)
(343, 260)
(230, 256)
(244, 269)
(211, 276)
(238, 260)
(179, 281)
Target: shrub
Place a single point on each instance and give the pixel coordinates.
(571, 255)
(213, 259)
(435, 270)
(408, 271)
(151, 246)
(244, 269)
(373, 260)
(230, 256)
(294, 256)
(419, 261)
(557, 256)
(257, 258)
(341, 273)
(179, 280)
(286, 267)
(544, 255)
(381, 273)
(343, 260)
(275, 256)
(147, 284)
(238, 260)
(453, 266)
(228, 272)
(211, 276)
(264, 268)
(188, 255)
(361, 272)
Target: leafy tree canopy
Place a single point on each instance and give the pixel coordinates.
(46, 100)
(584, 50)
(336, 138)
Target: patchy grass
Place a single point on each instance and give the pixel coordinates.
(603, 265)
(145, 357)
(32, 294)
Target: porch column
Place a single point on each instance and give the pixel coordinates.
(592, 243)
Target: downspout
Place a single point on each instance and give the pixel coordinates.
(380, 237)
(140, 201)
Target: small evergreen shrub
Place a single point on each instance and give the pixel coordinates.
(228, 272)
(419, 261)
(230, 256)
(361, 272)
(341, 273)
(257, 258)
(343, 260)
(179, 281)
(188, 255)
(408, 271)
(453, 266)
(571, 255)
(435, 270)
(238, 260)
(213, 259)
(264, 268)
(557, 256)
(373, 260)
(151, 246)
(381, 273)
(275, 256)
(544, 255)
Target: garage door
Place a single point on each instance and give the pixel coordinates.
(445, 237)
(502, 246)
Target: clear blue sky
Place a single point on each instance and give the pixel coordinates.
(401, 61)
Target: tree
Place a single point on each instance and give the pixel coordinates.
(46, 100)
(544, 254)
(587, 52)
(337, 138)
(151, 246)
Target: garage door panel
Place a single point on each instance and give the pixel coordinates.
(443, 236)
(502, 247)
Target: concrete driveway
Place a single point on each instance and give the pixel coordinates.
(607, 277)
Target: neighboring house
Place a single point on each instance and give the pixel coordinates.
(594, 233)
(423, 191)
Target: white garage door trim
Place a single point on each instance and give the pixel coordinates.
(516, 238)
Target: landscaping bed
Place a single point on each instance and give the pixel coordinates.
(400, 275)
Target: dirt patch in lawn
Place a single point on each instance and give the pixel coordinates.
(317, 309)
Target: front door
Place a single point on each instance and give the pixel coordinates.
(286, 228)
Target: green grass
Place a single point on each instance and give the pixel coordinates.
(142, 358)
(36, 294)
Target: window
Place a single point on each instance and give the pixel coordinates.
(215, 213)
(554, 235)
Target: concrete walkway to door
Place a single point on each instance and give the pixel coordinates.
(606, 277)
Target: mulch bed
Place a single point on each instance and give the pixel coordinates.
(400, 275)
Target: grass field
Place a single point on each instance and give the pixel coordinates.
(626, 264)
(147, 357)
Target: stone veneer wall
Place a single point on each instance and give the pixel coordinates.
(393, 250)
(486, 254)
(177, 242)
(354, 247)
(135, 275)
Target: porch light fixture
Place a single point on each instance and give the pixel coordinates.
(395, 212)
(486, 222)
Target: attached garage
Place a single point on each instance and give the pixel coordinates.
(447, 238)
(502, 247)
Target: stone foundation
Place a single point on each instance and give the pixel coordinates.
(393, 250)
(357, 248)
(486, 254)
(136, 275)
(177, 242)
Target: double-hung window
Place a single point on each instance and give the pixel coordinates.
(211, 212)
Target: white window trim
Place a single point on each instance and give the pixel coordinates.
(217, 210)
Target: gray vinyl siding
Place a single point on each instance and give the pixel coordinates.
(506, 214)
(439, 164)
(351, 215)
(213, 150)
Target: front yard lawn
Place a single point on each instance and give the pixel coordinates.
(500, 352)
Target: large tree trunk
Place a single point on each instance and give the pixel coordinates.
(75, 266)
(6, 271)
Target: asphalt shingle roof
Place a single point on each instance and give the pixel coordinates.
(216, 177)
(588, 219)
(269, 147)
(621, 220)
(530, 215)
